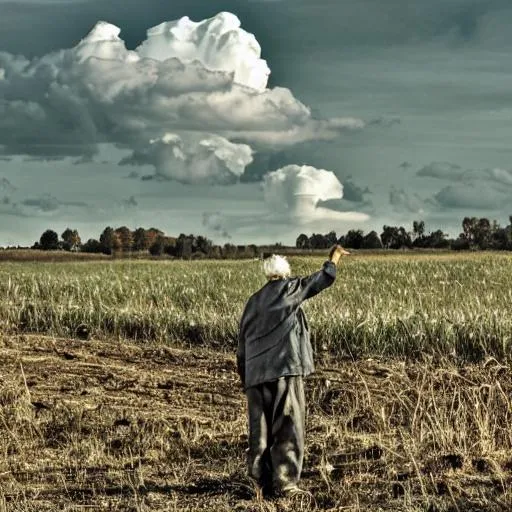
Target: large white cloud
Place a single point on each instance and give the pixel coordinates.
(186, 77)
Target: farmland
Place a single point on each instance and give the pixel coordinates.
(118, 388)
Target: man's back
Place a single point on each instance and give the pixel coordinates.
(274, 336)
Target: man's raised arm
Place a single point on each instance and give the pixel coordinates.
(306, 287)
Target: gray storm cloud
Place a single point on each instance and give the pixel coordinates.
(295, 191)
(185, 78)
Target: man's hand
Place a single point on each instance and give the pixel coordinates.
(336, 253)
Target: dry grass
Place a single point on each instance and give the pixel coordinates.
(26, 255)
(409, 411)
(114, 426)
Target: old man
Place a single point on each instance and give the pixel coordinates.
(274, 354)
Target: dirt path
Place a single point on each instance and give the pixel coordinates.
(117, 426)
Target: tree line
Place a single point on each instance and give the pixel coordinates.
(477, 233)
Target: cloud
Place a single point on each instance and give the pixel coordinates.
(295, 191)
(215, 221)
(8, 207)
(403, 202)
(452, 172)
(405, 165)
(352, 192)
(185, 79)
(500, 176)
(470, 196)
(6, 186)
(48, 203)
(194, 158)
(129, 203)
(218, 44)
(384, 121)
(132, 175)
(442, 171)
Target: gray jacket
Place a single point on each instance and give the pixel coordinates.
(274, 339)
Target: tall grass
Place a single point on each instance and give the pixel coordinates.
(410, 306)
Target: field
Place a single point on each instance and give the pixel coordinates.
(118, 388)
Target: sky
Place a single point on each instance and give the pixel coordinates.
(252, 121)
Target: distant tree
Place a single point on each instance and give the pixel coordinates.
(139, 240)
(229, 251)
(125, 237)
(302, 242)
(202, 244)
(331, 239)
(170, 245)
(158, 246)
(461, 244)
(216, 252)
(500, 239)
(93, 246)
(49, 240)
(371, 241)
(318, 241)
(389, 237)
(395, 238)
(469, 228)
(437, 240)
(109, 241)
(151, 235)
(354, 239)
(418, 228)
(71, 240)
(482, 234)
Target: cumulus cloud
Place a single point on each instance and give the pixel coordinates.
(295, 191)
(471, 196)
(403, 202)
(185, 78)
(194, 158)
(219, 44)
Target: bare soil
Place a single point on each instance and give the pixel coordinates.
(89, 425)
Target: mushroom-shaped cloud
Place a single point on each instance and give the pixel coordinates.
(295, 191)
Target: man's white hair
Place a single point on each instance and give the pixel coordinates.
(276, 266)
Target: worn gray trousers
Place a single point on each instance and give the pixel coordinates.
(276, 432)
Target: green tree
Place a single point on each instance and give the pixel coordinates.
(302, 242)
(71, 240)
(371, 241)
(93, 246)
(125, 238)
(49, 240)
(418, 228)
(158, 246)
(139, 240)
(109, 241)
(354, 239)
